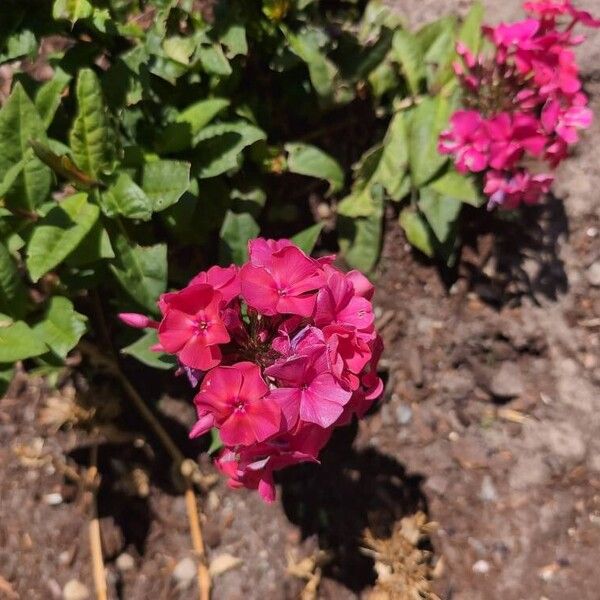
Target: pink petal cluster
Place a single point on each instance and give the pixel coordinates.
(283, 350)
(523, 103)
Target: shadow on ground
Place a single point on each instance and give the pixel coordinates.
(508, 256)
(350, 491)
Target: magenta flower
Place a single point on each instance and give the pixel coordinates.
(467, 140)
(233, 399)
(287, 286)
(283, 350)
(223, 280)
(566, 122)
(192, 327)
(307, 391)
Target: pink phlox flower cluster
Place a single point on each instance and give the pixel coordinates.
(283, 349)
(523, 103)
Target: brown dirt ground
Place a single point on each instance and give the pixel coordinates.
(489, 423)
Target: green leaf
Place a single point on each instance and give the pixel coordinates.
(360, 239)
(321, 70)
(91, 138)
(461, 187)
(125, 197)
(19, 44)
(393, 163)
(416, 231)
(13, 296)
(219, 147)
(179, 48)
(234, 40)
(470, 31)
(306, 159)
(140, 350)
(20, 123)
(11, 175)
(428, 120)
(72, 10)
(180, 134)
(307, 238)
(95, 246)
(440, 211)
(235, 232)
(215, 441)
(18, 342)
(213, 60)
(408, 53)
(62, 326)
(438, 61)
(48, 97)
(141, 271)
(59, 233)
(386, 165)
(165, 181)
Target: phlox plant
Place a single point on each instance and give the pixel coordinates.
(281, 350)
(523, 102)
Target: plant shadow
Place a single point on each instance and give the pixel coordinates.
(510, 256)
(350, 491)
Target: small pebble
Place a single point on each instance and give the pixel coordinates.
(185, 571)
(125, 562)
(53, 499)
(75, 590)
(482, 567)
(403, 414)
(488, 491)
(593, 274)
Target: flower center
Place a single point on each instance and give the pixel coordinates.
(282, 293)
(202, 326)
(239, 405)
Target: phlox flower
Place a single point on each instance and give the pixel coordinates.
(233, 399)
(192, 327)
(281, 350)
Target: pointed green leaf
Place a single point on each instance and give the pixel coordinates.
(18, 342)
(306, 159)
(48, 97)
(307, 238)
(72, 10)
(236, 230)
(219, 146)
(407, 51)
(427, 121)
(165, 181)
(455, 185)
(470, 33)
(91, 138)
(416, 231)
(141, 271)
(440, 211)
(62, 326)
(125, 197)
(13, 296)
(360, 239)
(180, 134)
(141, 350)
(59, 233)
(20, 123)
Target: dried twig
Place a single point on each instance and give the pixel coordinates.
(187, 468)
(92, 480)
(197, 542)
